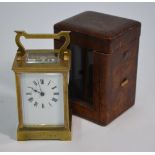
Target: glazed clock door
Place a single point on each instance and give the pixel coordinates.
(42, 98)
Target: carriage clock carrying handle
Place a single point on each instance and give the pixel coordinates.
(62, 51)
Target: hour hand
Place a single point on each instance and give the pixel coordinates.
(35, 90)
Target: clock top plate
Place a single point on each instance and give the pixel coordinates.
(41, 61)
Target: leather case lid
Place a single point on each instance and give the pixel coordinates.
(99, 25)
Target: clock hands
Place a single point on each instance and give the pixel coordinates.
(41, 92)
(39, 87)
(35, 90)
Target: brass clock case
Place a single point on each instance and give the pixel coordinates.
(50, 65)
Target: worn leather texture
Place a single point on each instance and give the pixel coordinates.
(114, 42)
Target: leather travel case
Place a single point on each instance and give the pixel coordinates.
(104, 64)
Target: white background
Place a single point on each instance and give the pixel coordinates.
(132, 131)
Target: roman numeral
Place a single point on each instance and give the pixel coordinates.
(28, 93)
(43, 106)
(42, 81)
(36, 104)
(30, 99)
(35, 83)
(54, 87)
(56, 93)
(54, 99)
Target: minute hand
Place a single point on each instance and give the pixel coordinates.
(39, 87)
(35, 90)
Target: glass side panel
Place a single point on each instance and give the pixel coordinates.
(81, 74)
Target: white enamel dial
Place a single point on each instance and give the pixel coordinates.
(42, 98)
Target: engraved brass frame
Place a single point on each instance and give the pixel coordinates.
(25, 132)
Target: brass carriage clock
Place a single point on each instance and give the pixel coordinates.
(42, 89)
